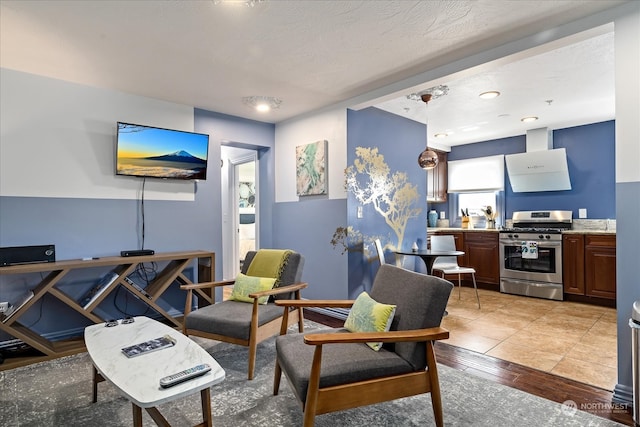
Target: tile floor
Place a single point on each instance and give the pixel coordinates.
(572, 340)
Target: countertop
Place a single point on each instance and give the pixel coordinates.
(495, 230)
(579, 226)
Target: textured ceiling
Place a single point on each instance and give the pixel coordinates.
(311, 54)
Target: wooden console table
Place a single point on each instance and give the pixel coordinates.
(54, 273)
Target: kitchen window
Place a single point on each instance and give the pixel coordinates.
(475, 202)
(475, 184)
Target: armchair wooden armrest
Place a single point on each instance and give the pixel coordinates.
(429, 334)
(316, 303)
(296, 287)
(196, 287)
(207, 285)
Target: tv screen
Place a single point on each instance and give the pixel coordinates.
(152, 152)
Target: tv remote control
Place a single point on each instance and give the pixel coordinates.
(187, 374)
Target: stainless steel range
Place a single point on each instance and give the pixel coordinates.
(531, 254)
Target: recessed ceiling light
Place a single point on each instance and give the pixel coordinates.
(440, 135)
(529, 119)
(262, 103)
(489, 95)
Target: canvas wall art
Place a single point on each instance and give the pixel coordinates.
(311, 168)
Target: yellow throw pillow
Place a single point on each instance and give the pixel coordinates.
(246, 285)
(367, 315)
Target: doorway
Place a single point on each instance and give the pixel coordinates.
(240, 200)
(246, 202)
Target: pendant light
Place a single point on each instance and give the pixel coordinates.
(428, 159)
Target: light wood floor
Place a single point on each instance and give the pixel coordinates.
(571, 340)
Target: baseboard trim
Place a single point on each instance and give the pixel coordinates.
(622, 394)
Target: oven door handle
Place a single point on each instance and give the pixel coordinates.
(540, 243)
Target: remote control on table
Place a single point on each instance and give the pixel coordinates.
(187, 374)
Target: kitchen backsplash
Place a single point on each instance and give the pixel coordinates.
(594, 224)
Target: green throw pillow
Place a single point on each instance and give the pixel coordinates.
(246, 285)
(367, 315)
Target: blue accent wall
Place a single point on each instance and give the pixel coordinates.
(307, 226)
(591, 162)
(400, 141)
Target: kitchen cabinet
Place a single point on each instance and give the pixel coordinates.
(600, 266)
(482, 253)
(573, 264)
(437, 179)
(589, 266)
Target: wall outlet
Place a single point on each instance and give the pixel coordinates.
(582, 213)
(4, 306)
(359, 212)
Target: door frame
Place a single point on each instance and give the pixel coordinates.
(234, 197)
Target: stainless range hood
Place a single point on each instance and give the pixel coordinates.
(541, 168)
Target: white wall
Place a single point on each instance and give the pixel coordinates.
(58, 139)
(627, 65)
(330, 126)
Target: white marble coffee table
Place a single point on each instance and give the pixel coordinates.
(138, 378)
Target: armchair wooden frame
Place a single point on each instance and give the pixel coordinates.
(257, 333)
(322, 400)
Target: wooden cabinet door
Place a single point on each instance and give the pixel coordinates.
(437, 180)
(482, 253)
(573, 264)
(600, 266)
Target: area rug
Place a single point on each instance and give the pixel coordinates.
(58, 393)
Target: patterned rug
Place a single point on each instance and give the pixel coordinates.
(58, 393)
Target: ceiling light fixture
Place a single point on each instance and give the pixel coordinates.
(490, 94)
(440, 135)
(262, 103)
(248, 3)
(529, 119)
(428, 159)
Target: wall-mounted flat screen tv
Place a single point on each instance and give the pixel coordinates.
(152, 152)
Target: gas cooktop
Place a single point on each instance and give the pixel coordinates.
(533, 230)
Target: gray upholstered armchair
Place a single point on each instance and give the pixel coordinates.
(333, 370)
(246, 323)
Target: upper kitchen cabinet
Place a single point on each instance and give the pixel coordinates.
(437, 179)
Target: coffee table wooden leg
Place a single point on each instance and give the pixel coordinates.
(205, 396)
(137, 415)
(157, 417)
(96, 379)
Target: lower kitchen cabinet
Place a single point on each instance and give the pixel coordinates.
(573, 264)
(482, 253)
(589, 265)
(600, 266)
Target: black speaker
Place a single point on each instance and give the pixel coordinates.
(27, 254)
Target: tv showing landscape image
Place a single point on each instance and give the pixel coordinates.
(152, 152)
